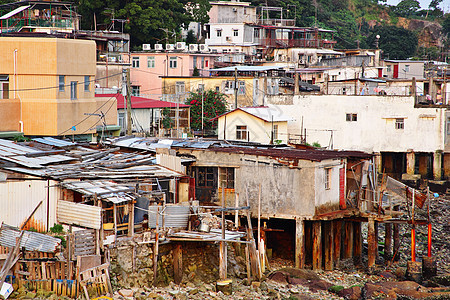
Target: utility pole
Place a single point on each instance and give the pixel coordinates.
(235, 88)
(128, 103)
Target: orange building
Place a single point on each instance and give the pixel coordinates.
(47, 88)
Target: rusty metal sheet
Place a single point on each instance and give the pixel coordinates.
(31, 241)
(79, 214)
(175, 216)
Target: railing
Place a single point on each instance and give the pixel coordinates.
(300, 43)
(277, 22)
(17, 24)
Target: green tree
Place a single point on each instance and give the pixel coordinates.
(446, 25)
(407, 8)
(190, 38)
(214, 104)
(396, 42)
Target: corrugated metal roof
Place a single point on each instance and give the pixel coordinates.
(100, 187)
(27, 156)
(12, 13)
(54, 142)
(79, 214)
(175, 216)
(31, 241)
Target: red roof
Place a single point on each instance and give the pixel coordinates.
(141, 102)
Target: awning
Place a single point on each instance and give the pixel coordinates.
(12, 13)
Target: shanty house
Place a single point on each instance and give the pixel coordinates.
(260, 124)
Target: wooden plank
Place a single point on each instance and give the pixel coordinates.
(299, 243)
(387, 242)
(348, 239)
(357, 243)
(222, 247)
(317, 245)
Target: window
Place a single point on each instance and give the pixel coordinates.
(241, 132)
(399, 123)
(135, 62)
(194, 61)
(217, 89)
(180, 88)
(73, 90)
(448, 125)
(122, 120)
(389, 69)
(235, 32)
(229, 87)
(203, 62)
(351, 117)
(4, 86)
(205, 176)
(275, 132)
(87, 82)
(327, 178)
(135, 90)
(256, 32)
(150, 62)
(219, 32)
(241, 87)
(201, 87)
(173, 62)
(62, 82)
(226, 176)
(406, 68)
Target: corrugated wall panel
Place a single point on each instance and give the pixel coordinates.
(79, 214)
(19, 198)
(175, 216)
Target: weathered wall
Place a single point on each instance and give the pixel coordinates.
(10, 115)
(285, 192)
(324, 117)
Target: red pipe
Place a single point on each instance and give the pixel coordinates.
(429, 239)
(413, 244)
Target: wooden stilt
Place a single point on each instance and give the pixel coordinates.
(328, 245)
(372, 243)
(222, 249)
(348, 243)
(178, 264)
(299, 243)
(317, 245)
(387, 242)
(357, 243)
(396, 234)
(155, 252)
(337, 231)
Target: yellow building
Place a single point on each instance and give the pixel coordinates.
(262, 124)
(47, 87)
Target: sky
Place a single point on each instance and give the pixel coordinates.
(445, 5)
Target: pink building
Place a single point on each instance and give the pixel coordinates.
(148, 67)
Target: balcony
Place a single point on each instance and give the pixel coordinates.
(18, 24)
(297, 43)
(277, 22)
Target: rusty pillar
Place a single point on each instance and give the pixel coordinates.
(410, 162)
(357, 244)
(337, 232)
(348, 242)
(317, 245)
(372, 243)
(328, 245)
(387, 242)
(299, 243)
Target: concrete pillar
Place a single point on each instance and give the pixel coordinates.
(437, 165)
(296, 83)
(372, 243)
(299, 243)
(328, 245)
(317, 245)
(410, 162)
(387, 242)
(378, 162)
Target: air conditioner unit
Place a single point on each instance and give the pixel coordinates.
(159, 47)
(181, 45)
(234, 9)
(193, 47)
(170, 47)
(204, 48)
(146, 47)
(112, 59)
